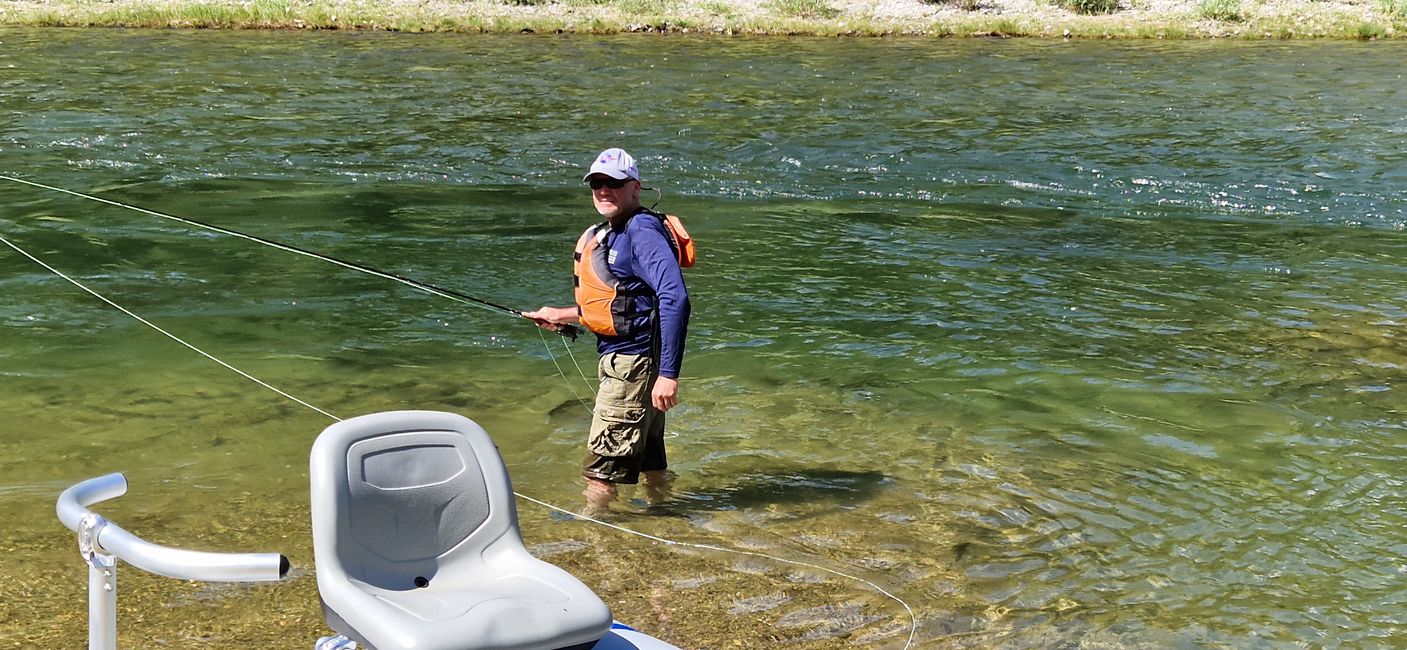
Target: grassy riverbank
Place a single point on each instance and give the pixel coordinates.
(1248, 19)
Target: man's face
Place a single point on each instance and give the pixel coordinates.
(614, 201)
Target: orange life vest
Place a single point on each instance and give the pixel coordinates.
(605, 307)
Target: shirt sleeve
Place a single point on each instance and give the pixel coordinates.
(659, 268)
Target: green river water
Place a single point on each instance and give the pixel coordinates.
(1089, 345)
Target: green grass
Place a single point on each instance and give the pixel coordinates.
(1001, 27)
(1371, 32)
(1090, 7)
(1224, 10)
(1396, 9)
(808, 9)
(720, 9)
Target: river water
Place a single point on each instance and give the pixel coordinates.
(1064, 344)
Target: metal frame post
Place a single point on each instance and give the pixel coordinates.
(102, 603)
(102, 585)
(102, 543)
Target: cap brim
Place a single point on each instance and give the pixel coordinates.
(618, 175)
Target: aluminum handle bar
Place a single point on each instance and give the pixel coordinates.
(170, 562)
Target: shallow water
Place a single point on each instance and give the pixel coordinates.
(1062, 343)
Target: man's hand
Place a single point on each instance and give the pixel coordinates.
(550, 318)
(665, 396)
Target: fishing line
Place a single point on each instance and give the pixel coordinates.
(562, 372)
(913, 619)
(152, 325)
(569, 331)
(581, 373)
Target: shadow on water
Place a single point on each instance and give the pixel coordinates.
(571, 409)
(782, 485)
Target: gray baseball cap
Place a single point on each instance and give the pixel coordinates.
(616, 163)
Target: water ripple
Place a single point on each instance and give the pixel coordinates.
(1104, 350)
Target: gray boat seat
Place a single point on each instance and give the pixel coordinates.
(415, 538)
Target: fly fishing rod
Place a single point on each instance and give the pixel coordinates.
(913, 620)
(567, 330)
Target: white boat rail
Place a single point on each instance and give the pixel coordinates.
(101, 543)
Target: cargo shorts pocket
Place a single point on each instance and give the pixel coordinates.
(616, 430)
(618, 423)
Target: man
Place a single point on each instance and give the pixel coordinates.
(630, 292)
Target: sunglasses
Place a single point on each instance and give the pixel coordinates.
(613, 183)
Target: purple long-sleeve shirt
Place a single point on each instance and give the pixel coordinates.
(640, 254)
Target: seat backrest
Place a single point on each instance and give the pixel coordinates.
(415, 537)
(396, 496)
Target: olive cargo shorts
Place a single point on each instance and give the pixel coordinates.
(627, 431)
